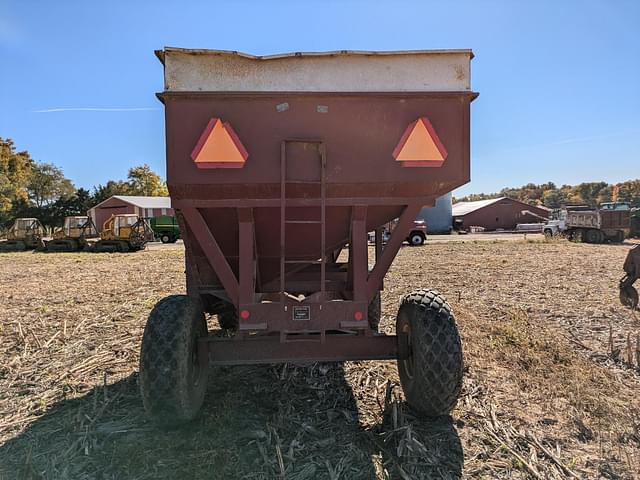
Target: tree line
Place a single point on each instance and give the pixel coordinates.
(29, 188)
(549, 195)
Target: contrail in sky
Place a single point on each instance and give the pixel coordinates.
(97, 109)
(570, 140)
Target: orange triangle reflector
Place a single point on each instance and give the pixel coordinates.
(219, 147)
(420, 146)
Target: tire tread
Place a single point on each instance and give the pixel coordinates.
(437, 349)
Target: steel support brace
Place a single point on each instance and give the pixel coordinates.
(402, 228)
(301, 348)
(359, 249)
(212, 251)
(246, 260)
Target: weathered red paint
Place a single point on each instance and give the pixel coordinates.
(265, 237)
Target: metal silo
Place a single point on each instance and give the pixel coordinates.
(438, 217)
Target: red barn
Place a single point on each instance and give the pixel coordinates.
(496, 213)
(146, 207)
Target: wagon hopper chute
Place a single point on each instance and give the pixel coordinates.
(275, 165)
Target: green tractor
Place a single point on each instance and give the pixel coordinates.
(165, 228)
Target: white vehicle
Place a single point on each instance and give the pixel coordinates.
(557, 225)
(554, 227)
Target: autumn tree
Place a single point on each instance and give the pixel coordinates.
(549, 195)
(77, 204)
(144, 181)
(47, 183)
(628, 192)
(15, 171)
(111, 188)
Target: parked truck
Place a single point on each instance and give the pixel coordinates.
(416, 237)
(635, 223)
(611, 222)
(165, 228)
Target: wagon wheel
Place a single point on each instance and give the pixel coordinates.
(173, 380)
(430, 353)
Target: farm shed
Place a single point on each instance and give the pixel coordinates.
(438, 217)
(142, 206)
(496, 213)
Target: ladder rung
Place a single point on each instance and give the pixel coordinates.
(307, 262)
(303, 182)
(303, 221)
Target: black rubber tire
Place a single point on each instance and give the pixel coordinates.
(593, 236)
(374, 312)
(164, 238)
(172, 383)
(415, 240)
(548, 234)
(619, 237)
(431, 373)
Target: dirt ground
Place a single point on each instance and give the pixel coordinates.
(552, 377)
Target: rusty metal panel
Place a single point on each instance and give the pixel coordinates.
(270, 349)
(615, 219)
(328, 153)
(344, 71)
(361, 132)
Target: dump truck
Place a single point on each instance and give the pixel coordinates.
(416, 237)
(285, 161)
(24, 234)
(124, 233)
(165, 228)
(73, 236)
(631, 267)
(635, 223)
(610, 222)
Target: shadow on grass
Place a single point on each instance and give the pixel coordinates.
(258, 422)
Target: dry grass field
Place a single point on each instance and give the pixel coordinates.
(552, 386)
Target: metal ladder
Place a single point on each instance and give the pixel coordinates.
(284, 221)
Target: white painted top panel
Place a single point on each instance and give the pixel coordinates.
(345, 71)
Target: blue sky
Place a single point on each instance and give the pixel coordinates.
(559, 81)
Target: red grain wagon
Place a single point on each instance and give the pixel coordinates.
(275, 165)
